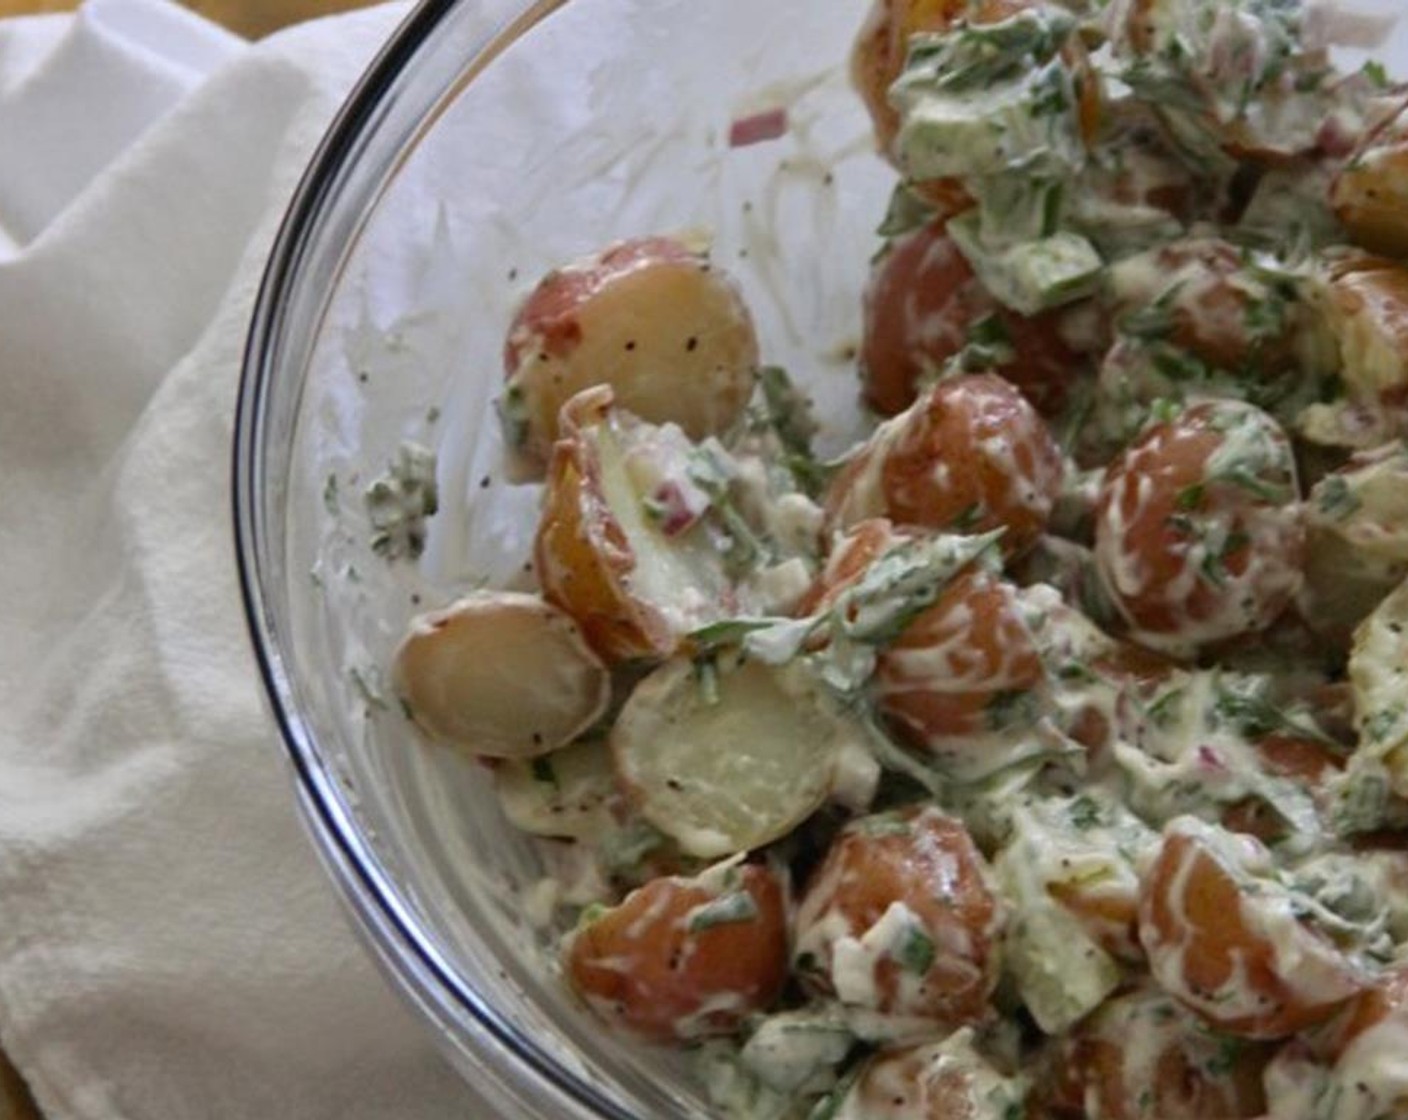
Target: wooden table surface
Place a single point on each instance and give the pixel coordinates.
(253, 19)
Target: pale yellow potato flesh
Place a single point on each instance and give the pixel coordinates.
(500, 674)
(727, 756)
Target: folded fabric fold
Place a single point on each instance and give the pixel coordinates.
(121, 65)
(169, 948)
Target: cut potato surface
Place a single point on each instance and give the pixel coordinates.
(729, 754)
(635, 583)
(501, 674)
(667, 330)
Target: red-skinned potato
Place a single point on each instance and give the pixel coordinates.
(684, 959)
(1140, 1056)
(970, 455)
(634, 591)
(851, 553)
(1227, 941)
(921, 305)
(500, 674)
(1370, 194)
(1198, 535)
(666, 329)
(947, 1080)
(964, 669)
(1215, 306)
(900, 919)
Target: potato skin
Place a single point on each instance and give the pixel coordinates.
(970, 455)
(1370, 194)
(946, 1080)
(1212, 942)
(927, 862)
(1210, 296)
(1189, 552)
(582, 556)
(641, 967)
(1140, 1055)
(470, 674)
(920, 304)
(660, 324)
(941, 683)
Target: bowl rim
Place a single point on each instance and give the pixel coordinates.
(418, 969)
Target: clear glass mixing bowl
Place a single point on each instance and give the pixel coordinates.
(492, 140)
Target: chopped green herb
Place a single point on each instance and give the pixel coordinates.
(1379, 725)
(1015, 708)
(543, 771)
(401, 501)
(512, 410)
(727, 909)
(906, 213)
(1163, 711)
(917, 951)
(1244, 707)
(1084, 813)
(1191, 497)
(1335, 499)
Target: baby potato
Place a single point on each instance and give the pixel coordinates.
(684, 959)
(1198, 534)
(634, 585)
(1199, 295)
(1356, 1062)
(500, 674)
(966, 671)
(1370, 194)
(1357, 541)
(1141, 1056)
(900, 919)
(1385, 1002)
(970, 455)
(1365, 304)
(948, 1080)
(848, 559)
(726, 754)
(1226, 939)
(1378, 663)
(667, 330)
(921, 307)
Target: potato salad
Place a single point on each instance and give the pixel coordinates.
(1045, 755)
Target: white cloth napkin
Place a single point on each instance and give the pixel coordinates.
(169, 949)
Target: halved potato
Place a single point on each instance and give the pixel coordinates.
(655, 320)
(727, 754)
(500, 674)
(683, 959)
(635, 584)
(1228, 939)
(1378, 674)
(1365, 304)
(1370, 195)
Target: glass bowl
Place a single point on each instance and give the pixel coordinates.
(492, 140)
